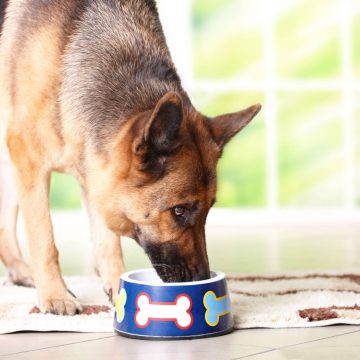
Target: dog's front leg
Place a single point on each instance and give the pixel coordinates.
(33, 193)
(108, 253)
(108, 257)
(10, 252)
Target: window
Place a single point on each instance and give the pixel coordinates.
(301, 60)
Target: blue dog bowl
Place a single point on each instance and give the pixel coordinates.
(147, 308)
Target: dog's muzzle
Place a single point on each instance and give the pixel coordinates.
(170, 264)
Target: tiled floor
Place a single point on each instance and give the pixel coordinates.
(248, 247)
(336, 342)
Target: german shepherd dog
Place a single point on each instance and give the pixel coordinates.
(88, 88)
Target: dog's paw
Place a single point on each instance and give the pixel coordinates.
(111, 290)
(60, 305)
(110, 273)
(19, 274)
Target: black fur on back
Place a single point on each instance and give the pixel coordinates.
(117, 64)
(3, 4)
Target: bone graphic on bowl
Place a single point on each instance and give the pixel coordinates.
(177, 311)
(120, 305)
(215, 307)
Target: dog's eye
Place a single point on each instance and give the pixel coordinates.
(179, 211)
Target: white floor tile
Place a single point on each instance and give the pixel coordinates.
(276, 338)
(19, 342)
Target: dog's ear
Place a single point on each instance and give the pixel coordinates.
(161, 135)
(224, 127)
(162, 129)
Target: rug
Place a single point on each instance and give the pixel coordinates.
(281, 301)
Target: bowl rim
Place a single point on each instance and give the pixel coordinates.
(126, 277)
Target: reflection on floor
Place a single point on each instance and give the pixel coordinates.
(236, 242)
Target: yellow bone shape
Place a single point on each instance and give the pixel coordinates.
(120, 305)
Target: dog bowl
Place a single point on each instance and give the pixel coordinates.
(148, 308)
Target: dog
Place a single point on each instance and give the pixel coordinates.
(88, 88)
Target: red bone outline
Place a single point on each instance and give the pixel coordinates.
(164, 303)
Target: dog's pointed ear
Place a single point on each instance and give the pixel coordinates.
(162, 129)
(224, 127)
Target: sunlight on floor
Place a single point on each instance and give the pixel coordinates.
(251, 246)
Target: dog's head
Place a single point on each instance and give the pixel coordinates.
(171, 183)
